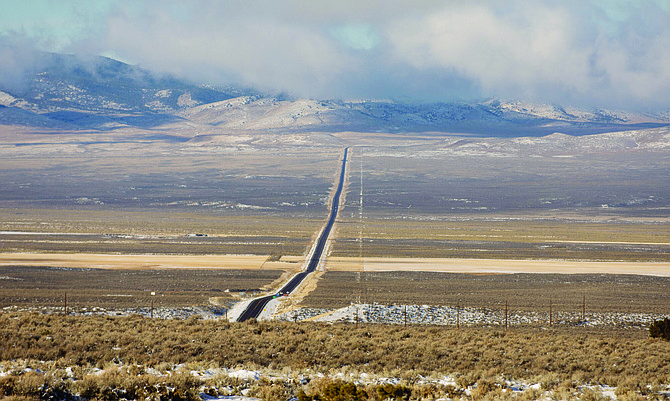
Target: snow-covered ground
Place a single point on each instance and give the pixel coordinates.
(252, 376)
(379, 314)
(248, 378)
(158, 313)
(446, 315)
(206, 397)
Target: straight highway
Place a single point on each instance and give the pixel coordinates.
(256, 306)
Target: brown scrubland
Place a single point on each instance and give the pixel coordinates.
(118, 357)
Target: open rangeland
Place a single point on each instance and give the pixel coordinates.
(504, 237)
(617, 266)
(150, 261)
(155, 231)
(87, 289)
(106, 357)
(529, 292)
(223, 221)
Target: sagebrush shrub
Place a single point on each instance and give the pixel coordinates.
(393, 392)
(343, 391)
(660, 328)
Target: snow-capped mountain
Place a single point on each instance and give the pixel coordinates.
(491, 118)
(65, 91)
(98, 84)
(98, 92)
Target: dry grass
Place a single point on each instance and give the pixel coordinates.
(25, 286)
(152, 232)
(92, 340)
(143, 262)
(524, 292)
(496, 266)
(524, 229)
(487, 238)
(560, 360)
(155, 222)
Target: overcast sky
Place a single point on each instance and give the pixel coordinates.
(609, 53)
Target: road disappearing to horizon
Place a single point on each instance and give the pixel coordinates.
(256, 306)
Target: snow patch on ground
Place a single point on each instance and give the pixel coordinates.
(6, 99)
(448, 315)
(206, 397)
(244, 374)
(377, 313)
(251, 377)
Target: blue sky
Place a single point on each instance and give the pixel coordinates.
(55, 24)
(613, 53)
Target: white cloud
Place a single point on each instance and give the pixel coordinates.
(593, 52)
(539, 50)
(258, 49)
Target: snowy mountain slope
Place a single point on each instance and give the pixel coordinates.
(105, 94)
(19, 117)
(483, 119)
(99, 90)
(263, 113)
(515, 110)
(65, 82)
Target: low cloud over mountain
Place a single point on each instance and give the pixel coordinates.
(590, 53)
(65, 91)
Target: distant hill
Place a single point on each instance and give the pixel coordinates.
(19, 117)
(73, 92)
(92, 92)
(491, 118)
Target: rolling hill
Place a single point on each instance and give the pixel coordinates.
(83, 93)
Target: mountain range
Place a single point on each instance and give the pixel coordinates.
(97, 93)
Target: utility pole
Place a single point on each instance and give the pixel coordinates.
(458, 315)
(505, 315)
(360, 241)
(550, 314)
(360, 223)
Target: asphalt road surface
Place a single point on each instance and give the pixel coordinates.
(256, 306)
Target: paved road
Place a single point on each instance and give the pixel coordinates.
(256, 306)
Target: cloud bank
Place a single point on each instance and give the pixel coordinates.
(589, 53)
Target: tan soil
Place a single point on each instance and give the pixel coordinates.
(478, 266)
(111, 261)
